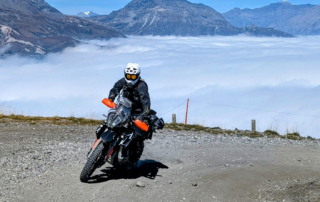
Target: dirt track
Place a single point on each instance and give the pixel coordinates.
(42, 162)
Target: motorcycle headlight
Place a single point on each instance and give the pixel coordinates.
(116, 122)
(110, 118)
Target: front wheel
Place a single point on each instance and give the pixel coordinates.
(92, 163)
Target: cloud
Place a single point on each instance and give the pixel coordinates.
(256, 78)
(4, 48)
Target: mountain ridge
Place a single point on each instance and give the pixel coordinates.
(36, 28)
(178, 17)
(295, 19)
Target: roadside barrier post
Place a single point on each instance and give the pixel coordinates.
(186, 121)
(253, 125)
(174, 118)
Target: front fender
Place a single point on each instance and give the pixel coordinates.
(107, 136)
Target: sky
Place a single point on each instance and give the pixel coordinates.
(229, 80)
(73, 7)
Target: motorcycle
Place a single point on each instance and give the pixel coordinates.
(115, 135)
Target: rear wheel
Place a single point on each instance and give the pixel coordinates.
(92, 163)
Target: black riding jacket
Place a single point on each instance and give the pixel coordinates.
(138, 94)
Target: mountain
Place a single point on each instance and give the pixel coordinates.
(87, 14)
(30, 7)
(33, 27)
(174, 17)
(12, 42)
(285, 16)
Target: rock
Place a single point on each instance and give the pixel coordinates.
(227, 165)
(194, 184)
(140, 184)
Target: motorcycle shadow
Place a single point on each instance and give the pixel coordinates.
(145, 168)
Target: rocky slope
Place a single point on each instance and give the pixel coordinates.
(285, 16)
(175, 17)
(32, 27)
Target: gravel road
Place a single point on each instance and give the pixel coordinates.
(42, 162)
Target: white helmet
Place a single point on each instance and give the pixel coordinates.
(132, 73)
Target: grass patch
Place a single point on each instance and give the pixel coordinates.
(33, 120)
(53, 120)
(311, 138)
(181, 126)
(294, 136)
(272, 134)
(195, 127)
(253, 134)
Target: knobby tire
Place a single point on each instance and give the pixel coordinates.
(92, 163)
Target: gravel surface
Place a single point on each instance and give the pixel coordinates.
(42, 162)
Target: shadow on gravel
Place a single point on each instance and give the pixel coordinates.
(306, 192)
(146, 168)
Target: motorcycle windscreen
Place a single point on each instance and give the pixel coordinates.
(124, 113)
(125, 102)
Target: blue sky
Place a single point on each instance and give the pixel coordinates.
(72, 7)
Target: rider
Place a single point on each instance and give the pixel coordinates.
(135, 89)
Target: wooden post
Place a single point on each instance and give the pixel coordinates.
(186, 122)
(253, 125)
(174, 118)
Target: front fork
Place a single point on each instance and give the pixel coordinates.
(123, 154)
(96, 143)
(125, 142)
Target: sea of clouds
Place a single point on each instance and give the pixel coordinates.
(229, 80)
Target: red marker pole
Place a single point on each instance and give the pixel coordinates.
(187, 113)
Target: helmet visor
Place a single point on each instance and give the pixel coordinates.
(131, 76)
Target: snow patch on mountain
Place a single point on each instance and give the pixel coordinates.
(87, 14)
(7, 30)
(40, 51)
(285, 2)
(12, 40)
(8, 38)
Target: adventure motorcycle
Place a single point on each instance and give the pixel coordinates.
(115, 135)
